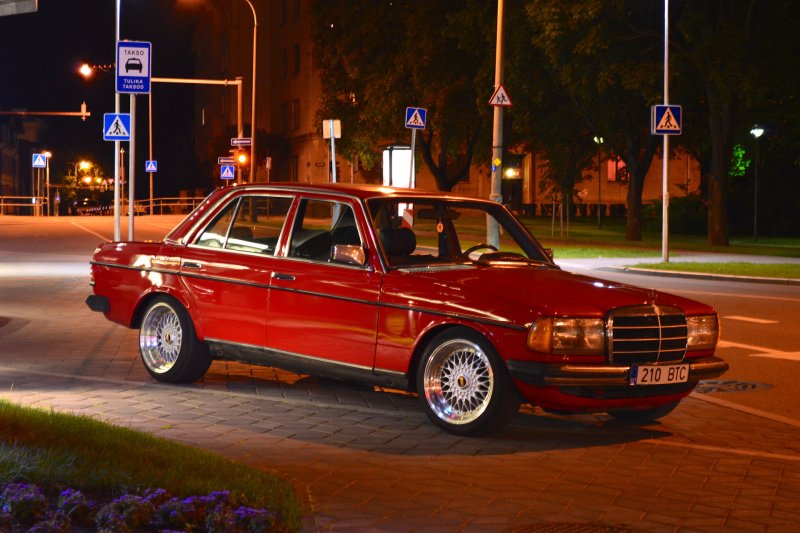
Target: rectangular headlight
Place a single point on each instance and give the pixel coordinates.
(702, 332)
(568, 335)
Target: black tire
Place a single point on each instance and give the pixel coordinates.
(463, 384)
(644, 416)
(168, 345)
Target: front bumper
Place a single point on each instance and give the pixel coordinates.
(570, 375)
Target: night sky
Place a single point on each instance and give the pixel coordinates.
(39, 57)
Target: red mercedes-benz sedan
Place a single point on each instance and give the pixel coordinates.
(444, 295)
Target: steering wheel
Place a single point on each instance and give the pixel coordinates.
(478, 247)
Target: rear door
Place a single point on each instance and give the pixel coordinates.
(227, 268)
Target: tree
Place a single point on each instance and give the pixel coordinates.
(731, 59)
(377, 58)
(604, 55)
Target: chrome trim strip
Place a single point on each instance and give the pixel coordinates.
(424, 310)
(544, 374)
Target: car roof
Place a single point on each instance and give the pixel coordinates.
(358, 190)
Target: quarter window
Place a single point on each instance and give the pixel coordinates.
(251, 224)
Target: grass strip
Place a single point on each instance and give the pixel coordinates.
(758, 270)
(50, 448)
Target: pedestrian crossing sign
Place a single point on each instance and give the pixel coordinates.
(500, 97)
(117, 127)
(415, 118)
(665, 120)
(151, 166)
(227, 172)
(39, 161)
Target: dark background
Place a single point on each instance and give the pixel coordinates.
(41, 52)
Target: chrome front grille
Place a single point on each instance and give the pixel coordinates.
(646, 334)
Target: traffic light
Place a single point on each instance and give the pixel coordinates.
(242, 158)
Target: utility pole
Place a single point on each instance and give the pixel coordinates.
(496, 195)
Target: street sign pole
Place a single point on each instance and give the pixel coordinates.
(333, 151)
(131, 167)
(665, 156)
(492, 229)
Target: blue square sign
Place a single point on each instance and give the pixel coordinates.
(133, 67)
(666, 120)
(415, 118)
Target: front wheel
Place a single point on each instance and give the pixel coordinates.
(170, 350)
(463, 384)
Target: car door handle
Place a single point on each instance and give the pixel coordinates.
(285, 277)
(190, 264)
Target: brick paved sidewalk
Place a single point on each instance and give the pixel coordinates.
(365, 459)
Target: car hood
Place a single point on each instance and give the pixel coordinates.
(518, 294)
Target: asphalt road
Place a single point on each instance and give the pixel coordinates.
(760, 339)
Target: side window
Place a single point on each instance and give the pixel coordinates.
(215, 233)
(257, 222)
(320, 225)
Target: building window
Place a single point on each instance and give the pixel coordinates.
(295, 167)
(295, 114)
(284, 63)
(296, 52)
(284, 117)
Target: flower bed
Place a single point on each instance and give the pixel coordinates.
(25, 508)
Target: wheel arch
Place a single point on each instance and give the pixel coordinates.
(424, 340)
(145, 301)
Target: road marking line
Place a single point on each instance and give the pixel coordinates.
(761, 351)
(88, 230)
(750, 319)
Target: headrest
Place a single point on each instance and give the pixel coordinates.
(399, 241)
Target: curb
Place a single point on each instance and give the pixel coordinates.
(699, 276)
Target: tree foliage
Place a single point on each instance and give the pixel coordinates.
(377, 58)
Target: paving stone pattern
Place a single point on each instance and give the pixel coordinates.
(365, 459)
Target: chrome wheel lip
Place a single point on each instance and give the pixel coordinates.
(160, 338)
(458, 381)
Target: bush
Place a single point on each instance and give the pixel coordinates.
(688, 215)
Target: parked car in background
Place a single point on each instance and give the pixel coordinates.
(401, 289)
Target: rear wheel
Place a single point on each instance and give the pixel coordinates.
(644, 416)
(463, 384)
(168, 345)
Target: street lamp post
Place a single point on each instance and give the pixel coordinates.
(756, 132)
(47, 155)
(253, 160)
(599, 140)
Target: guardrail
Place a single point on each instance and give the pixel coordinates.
(23, 205)
(37, 206)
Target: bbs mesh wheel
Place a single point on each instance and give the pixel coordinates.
(463, 384)
(168, 345)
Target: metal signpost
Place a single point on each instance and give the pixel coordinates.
(415, 120)
(332, 129)
(133, 77)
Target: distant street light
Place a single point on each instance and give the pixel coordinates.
(756, 132)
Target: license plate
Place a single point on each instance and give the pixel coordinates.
(659, 374)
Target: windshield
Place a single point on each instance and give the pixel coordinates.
(438, 231)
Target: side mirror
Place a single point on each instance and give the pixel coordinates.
(349, 254)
